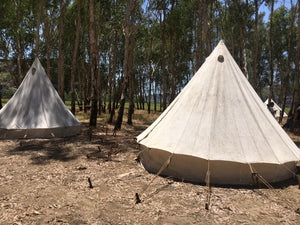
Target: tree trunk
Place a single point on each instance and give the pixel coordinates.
(173, 86)
(61, 74)
(296, 98)
(113, 80)
(242, 29)
(80, 87)
(37, 40)
(151, 73)
(109, 83)
(99, 80)
(0, 96)
(130, 67)
(245, 37)
(271, 53)
(143, 94)
(163, 63)
(93, 63)
(255, 86)
(125, 67)
(206, 23)
(47, 43)
(18, 46)
(160, 100)
(104, 102)
(199, 55)
(74, 58)
(99, 87)
(241, 59)
(139, 95)
(154, 96)
(86, 85)
(296, 78)
(287, 77)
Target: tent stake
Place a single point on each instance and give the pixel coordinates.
(90, 182)
(164, 166)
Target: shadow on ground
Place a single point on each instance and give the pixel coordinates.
(95, 144)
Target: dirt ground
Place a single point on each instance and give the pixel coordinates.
(45, 181)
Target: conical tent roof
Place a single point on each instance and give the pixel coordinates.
(277, 108)
(36, 110)
(218, 124)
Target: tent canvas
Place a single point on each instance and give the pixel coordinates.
(36, 110)
(218, 126)
(277, 108)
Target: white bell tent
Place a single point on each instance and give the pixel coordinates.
(276, 108)
(36, 110)
(218, 128)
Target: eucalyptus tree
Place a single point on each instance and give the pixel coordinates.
(296, 91)
(37, 41)
(113, 27)
(93, 62)
(61, 54)
(199, 33)
(74, 57)
(162, 20)
(126, 62)
(18, 26)
(271, 4)
(135, 11)
(160, 9)
(257, 4)
(183, 52)
(291, 42)
(281, 40)
(171, 57)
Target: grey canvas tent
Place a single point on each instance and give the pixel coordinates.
(36, 110)
(219, 129)
(276, 108)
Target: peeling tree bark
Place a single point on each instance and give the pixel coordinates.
(163, 61)
(173, 74)
(93, 63)
(271, 53)
(18, 45)
(61, 73)
(74, 58)
(125, 67)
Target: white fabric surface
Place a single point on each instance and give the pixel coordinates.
(219, 117)
(37, 105)
(277, 108)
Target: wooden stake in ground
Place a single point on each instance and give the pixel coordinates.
(90, 183)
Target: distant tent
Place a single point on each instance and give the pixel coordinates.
(277, 108)
(36, 110)
(218, 128)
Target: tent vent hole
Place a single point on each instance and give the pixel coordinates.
(221, 58)
(33, 71)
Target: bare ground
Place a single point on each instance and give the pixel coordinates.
(45, 181)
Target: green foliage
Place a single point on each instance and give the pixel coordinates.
(226, 20)
(5, 81)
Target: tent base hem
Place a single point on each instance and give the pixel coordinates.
(39, 132)
(194, 169)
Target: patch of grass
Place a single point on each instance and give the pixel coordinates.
(143, 116)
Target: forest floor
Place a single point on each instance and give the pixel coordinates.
(45, 181)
